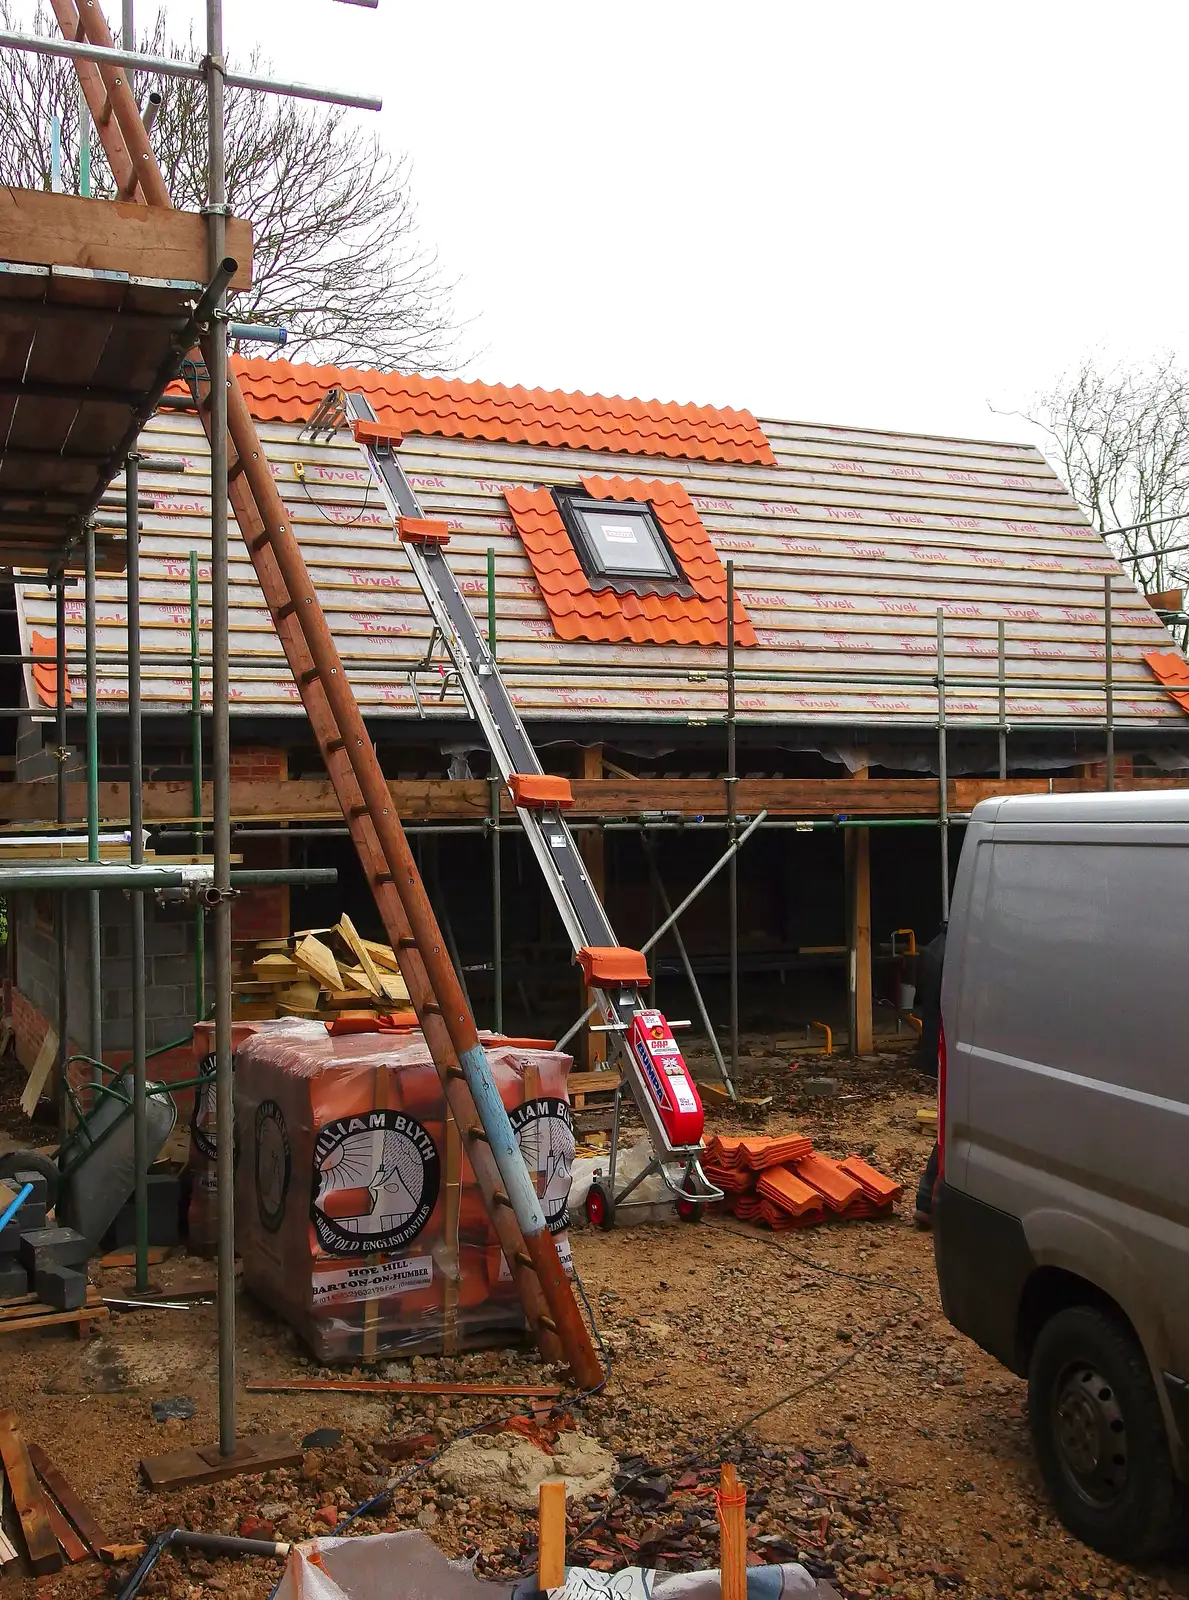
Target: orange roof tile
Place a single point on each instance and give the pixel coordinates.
(286, 391)
(1173, 673)
(580, 612)
(45, 678)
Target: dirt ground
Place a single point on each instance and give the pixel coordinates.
(893, 1457)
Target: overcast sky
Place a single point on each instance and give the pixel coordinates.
(890, 214)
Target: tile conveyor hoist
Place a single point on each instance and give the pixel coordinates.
(650, 1061)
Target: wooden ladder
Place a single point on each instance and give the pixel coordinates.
(362, 791)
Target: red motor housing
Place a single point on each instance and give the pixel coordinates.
(666, 1077)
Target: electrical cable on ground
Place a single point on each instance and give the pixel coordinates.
(703, 1447)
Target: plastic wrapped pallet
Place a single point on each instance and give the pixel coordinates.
(358, 1216)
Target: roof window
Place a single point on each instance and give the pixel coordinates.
(620, 545)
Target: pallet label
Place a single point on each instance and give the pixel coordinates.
(376, 1281)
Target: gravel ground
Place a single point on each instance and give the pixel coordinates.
(875, 1443)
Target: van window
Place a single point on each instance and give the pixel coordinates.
(1085, 959)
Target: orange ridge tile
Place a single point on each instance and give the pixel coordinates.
(875, 1185)
(786, 1191)
(580, 612)
(837, 1189)
(286, 391)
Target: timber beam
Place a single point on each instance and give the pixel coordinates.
(655, 799)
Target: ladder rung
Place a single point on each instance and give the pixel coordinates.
(379, 878)
(501, 1199)
(523, 1259)
(286, 610)
(408, 942)
(261, 540)
(547, 1322)
(454, 1073)
(333, 746)
(235, 470)
(476, 1132)
(356, 811)
(432, 1009)
(311, 676)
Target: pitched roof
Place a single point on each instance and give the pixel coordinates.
(580, 612)
(284, 391)
(844, 551)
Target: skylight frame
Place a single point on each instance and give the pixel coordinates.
(575, 504)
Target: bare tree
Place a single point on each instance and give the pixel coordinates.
(1120, 438)
(338, 261)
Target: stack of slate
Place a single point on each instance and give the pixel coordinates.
(784, 1182)
(35, 1255)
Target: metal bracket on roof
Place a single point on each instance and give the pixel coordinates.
(328, 416)
(447, 673)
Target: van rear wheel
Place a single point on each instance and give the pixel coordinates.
(1100, 1439)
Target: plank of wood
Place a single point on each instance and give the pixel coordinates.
(347, 932)
(40, 1544)
(52, 1319)
(604, 1079)
(127, 1258)
(177, 1468)
(551, 1534)
(446, 799)
(382, 1386)
(383, 955)
(61, 230)
(43, 1065)
(75, 1508)
(732, 1520)
(112, 1554)
(315, 957)
(73, 1547)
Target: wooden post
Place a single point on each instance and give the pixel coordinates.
(551, 1534)
(732, 1535)
(592, 848)
(862, 1039)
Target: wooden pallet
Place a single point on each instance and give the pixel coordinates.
(592, 1099)
(26, 1313)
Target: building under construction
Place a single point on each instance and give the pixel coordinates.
(902, 609)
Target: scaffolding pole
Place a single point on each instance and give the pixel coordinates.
(216, 353)
(1108, 677)
(63, 908)
(196, 781)
(1002, 700)
(943, 786)
(94, 919)
(732, 828)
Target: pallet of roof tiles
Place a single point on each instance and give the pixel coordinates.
(27, 1314)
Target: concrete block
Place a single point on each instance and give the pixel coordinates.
(30, 1216)
(58, 1247)
(61, 1287)
(14, 1280)
(167, 999)
(10, 1238)
(167, 938)
(41, 1188)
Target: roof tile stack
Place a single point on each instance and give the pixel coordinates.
(784, 1182)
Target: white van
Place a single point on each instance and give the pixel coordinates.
(1061, 1214)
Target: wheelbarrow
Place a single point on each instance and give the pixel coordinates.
(93, 1171)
